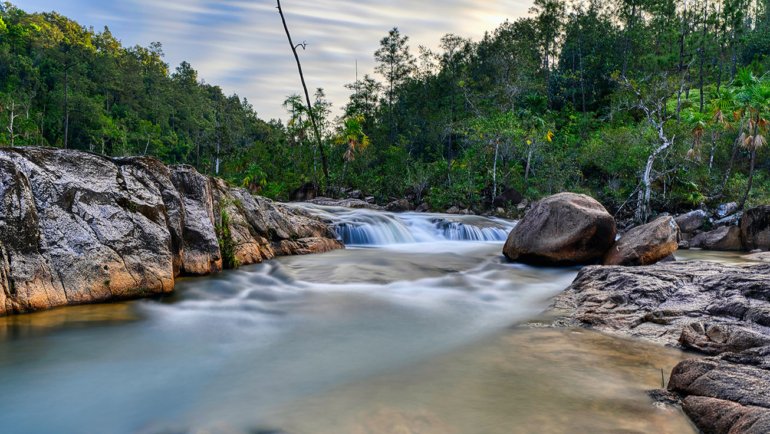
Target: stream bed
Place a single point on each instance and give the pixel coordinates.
(415, 328)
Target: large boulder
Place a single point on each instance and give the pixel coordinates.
(755, 228)
(567, 228)
(646, 244)
(692, 221)
(725, 239)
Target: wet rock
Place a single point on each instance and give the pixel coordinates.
(646, 244)
(453, 210)
(715, 339)
(424, 207)
(80, 228)
(716, 309)
(692, 221)
(657, 302)
(725, 238)
(356, 194)
(716, 416)
(755, 228)
(566, 228)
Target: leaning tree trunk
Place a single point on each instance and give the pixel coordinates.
(324, 161)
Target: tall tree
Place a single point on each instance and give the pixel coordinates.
(310, 111)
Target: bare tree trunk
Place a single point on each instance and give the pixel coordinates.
(11, 122)
(494, 170)
(313, 121)
(529, 162)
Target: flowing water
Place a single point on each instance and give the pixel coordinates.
(410, 330)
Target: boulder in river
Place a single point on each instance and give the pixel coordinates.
(755, 228)
(692, 221)
(725, 239)
(81, 228)
(646, 244)
(563, 229)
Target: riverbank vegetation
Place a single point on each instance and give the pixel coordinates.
(647, 105)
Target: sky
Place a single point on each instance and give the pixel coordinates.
(240, 45)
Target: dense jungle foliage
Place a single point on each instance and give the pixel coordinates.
(645, 104)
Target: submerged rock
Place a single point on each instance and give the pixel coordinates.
(80, 228)
(646, 244)
(566, 228)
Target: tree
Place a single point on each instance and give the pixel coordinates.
(753, 98)
(395, 64)
(319, 142)
(651, 97)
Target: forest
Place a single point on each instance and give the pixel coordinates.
(647, 105)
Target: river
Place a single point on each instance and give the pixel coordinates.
(415, 328)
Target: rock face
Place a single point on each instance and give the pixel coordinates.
(725, 238)
(646, 244)
(566, 228)
(755, 228)
(80, 228)
(719, 310)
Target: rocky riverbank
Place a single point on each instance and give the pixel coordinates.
(79, 228)
(719, 311)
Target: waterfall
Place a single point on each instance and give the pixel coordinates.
(364, 227)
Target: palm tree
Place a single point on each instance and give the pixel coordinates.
(753, 100)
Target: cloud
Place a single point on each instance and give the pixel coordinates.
(240, 44)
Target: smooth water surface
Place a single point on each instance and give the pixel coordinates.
(403, 334)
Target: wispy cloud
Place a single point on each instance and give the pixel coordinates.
(240, 45)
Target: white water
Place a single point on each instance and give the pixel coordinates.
(377, 228)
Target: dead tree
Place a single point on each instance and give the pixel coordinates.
(311, 114)
(654, 108)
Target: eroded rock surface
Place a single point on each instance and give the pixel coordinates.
(80, 228)
(718, 310)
